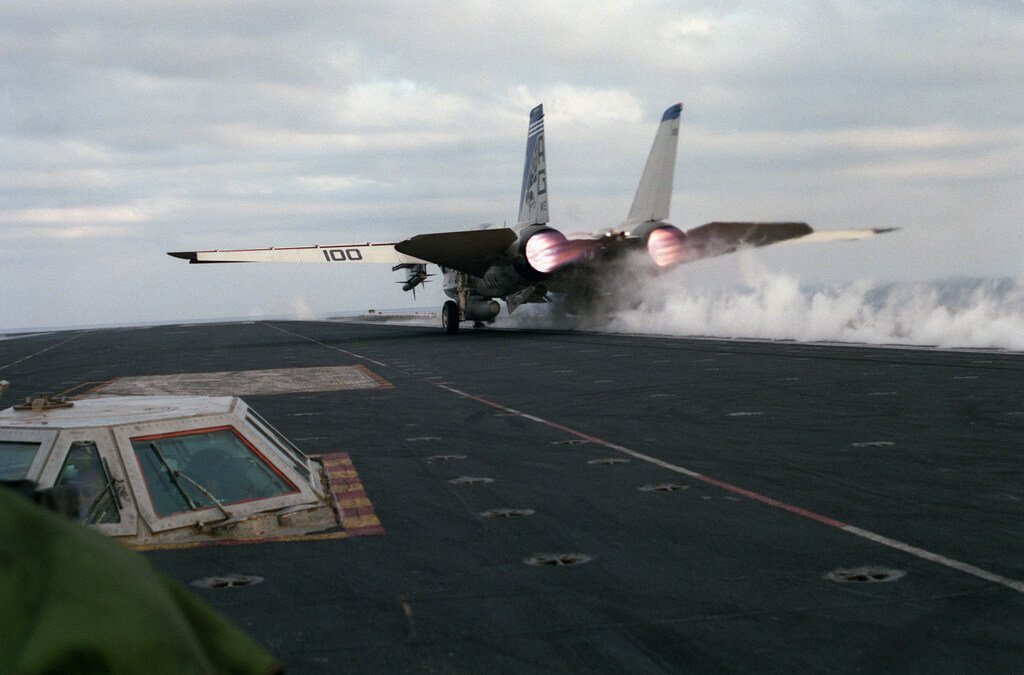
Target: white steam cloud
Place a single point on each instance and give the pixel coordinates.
(955, 313)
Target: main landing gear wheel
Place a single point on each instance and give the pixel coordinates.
(450, 317)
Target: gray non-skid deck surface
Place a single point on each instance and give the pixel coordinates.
(922, 447)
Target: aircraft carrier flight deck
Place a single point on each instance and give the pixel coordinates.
(558, 501)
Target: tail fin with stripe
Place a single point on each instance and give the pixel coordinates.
(533, 199)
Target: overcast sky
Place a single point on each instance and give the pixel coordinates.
(132, 129)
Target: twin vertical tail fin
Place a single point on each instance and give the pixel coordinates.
(533, 199)
(654, 196)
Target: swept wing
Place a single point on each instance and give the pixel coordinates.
(365, 253)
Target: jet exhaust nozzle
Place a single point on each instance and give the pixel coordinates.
(548, 250)
(667, 246)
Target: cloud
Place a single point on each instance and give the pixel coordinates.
(590, 106)
(116, 214)
(204, 125)
(68, 232)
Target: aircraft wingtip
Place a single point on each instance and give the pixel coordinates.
(184, 255)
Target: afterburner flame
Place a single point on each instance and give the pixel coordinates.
(548, 251)
(667, 246)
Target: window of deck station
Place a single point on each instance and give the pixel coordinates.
(16, 459)
(191, 470)
(279, 442)
(85, 470)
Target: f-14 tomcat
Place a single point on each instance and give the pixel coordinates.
(534, 262)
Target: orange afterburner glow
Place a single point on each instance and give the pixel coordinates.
(549, 250)
(667, 246)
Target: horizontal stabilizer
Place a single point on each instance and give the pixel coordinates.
(842, 235)
(471, 251)
(718, 238)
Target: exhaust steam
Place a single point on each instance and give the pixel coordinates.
(951, 313)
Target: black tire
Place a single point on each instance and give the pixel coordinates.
(450, 317)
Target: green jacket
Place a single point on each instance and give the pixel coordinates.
(73, 601)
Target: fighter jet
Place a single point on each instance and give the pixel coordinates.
(536, 263)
